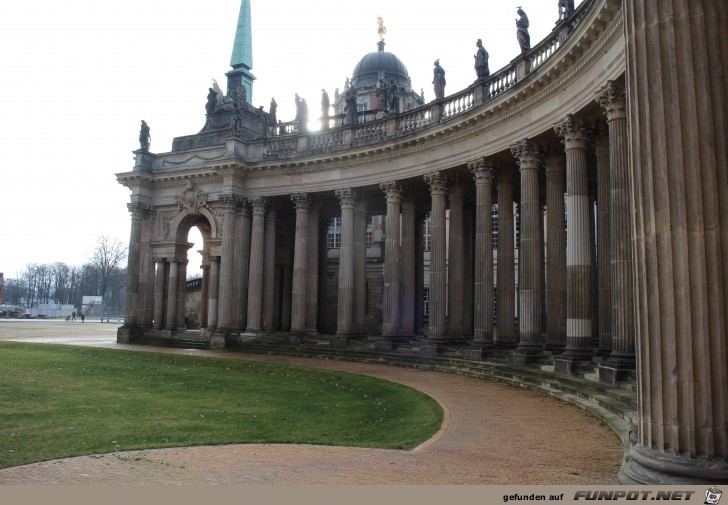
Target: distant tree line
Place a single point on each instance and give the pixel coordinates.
(103, 275)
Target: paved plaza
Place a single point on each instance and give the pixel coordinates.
(491, 434)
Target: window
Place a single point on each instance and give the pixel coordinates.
(333, 237)
(426, 302)
(369, 232)
(427, 233)
(494, 214)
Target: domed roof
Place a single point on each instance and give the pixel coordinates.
(367, 70)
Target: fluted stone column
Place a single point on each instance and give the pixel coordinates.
(390, 298)
(255, 282)
(468, 270)
(555, 254)
(603, 242)
(578, 244)
(677, 63)
(455, 264)
(214, 290)
(172, 291)
(226, 317)
(242, 265)
(131, 298)
(419, 271)
(529, 255)
(360, 266)
(300, 263)
(205, 294)
(506, 283)
(181, 293)
(409, 266)
(484, 175)
(269, 269)
(159, 293)
(438, 257)
(312, 283)
(614, 102)
(345, 310)
(146, 272)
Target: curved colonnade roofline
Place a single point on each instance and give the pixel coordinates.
(564, 79)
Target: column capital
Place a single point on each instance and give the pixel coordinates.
(159, 259)
(572, 131)
(302, 201)
(214, 259)
(393, 191)
(528, 154)
(483, 171)
(230, 202)
(555, 164)
(139, 210)
(613, 100)
(505, 176)
(437, 182)
(258, 205)
(347, 197)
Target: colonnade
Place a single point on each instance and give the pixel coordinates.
(555, 264)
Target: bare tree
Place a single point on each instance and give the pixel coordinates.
(107, 259)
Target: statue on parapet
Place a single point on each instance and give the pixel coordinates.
(392, 100)
(325, 105)
(382, 91)
(272, 114)
(524, 39)
(262, 123)
(211, 101)
(350, 108)
(240, 96)
(301, 113)
(481, 61)
(566, 9)
(439, 80)
(145, 139)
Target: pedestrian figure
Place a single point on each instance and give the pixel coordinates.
(83, 317)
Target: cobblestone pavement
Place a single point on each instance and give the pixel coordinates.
(491, 434)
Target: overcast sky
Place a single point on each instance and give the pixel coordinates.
(78, 76)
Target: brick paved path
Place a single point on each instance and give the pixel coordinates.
(492, 434)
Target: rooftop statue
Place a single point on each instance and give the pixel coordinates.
(262, 123)
(272, 111)
(350, 106)
(439, 80)
(145, 138)
(211, 101)
(392, 101)
(524, 39)
(481, 61)
(325, 104)
(566, 8)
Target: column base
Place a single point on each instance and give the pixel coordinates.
(521, 358)
(429, 349)
(647, 466)
(127, 333)
(339, 341)
(475, 353)
(217, 340)
(566, 365)
(614, 374)
(555, 348)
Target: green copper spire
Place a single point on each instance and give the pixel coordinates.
(243, 45)
(242, 57)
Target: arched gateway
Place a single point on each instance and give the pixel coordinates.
(569, 205)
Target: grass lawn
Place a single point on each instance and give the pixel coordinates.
(58, 401)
